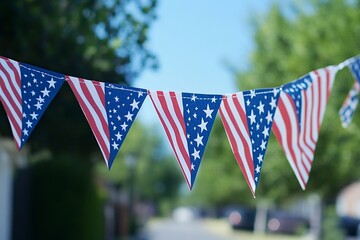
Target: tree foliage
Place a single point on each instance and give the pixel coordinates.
(93, 39)
(290, 42)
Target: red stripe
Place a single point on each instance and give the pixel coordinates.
(248, 153)
(233, 141)
(89, 117)
(307, 104)
(289, 130)
(14, 94)
(169, 116)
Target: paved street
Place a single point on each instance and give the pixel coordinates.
(166, 229)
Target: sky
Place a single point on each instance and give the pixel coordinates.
(192, 40)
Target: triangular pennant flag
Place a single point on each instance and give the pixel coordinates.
(26, 92)
(298, 118)
(247, 118)
(348, 108)
(187, 119)
(110, 110)
(200, 111)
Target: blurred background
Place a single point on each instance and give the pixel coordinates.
(58, 186)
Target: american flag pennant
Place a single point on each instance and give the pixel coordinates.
(298, 118)
(348, 108)
(247, 118)
(25, 92)
(187, 119)
(110, 110)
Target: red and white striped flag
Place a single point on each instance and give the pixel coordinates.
(298, 118)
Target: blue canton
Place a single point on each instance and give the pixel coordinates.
(347, 110)
(122, 105)
(355, 69)
(294, 89)
(199, 115)
(260, 107)
(38, 88)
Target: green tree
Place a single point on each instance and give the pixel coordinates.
(290, 42)
(93, 39)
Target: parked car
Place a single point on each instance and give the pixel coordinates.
(285, 222)
(241, 217)
(350, 225)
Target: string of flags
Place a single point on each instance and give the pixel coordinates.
(293, 111)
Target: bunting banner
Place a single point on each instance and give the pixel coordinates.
(187, 119)
(247, 118)
(299, 116)
(26, 92)
(348, 108)
(110, 110)
(294, 112)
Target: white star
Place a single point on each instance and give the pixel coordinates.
(195, 154)
(257, 126)
(140, 94)
(260, 107)
(134, 105)
(273, 103)
(38, 105)
(213, 99)
(268, 117)
(40, 99)
(26, 132)
(198, 140)
(115, 145)
(34, 115)
(129, 116)
(192, 167)
(247, 102)
(202, 125)
(252, 93)
(32, 93)
(45, 92)
(252, 117)
(265, 132)
(29, 124)
(262, 146)
(118, 136)
(193, 97)
(208, 111)
(257, 168)
(124, 126)
(116, 99)
(276, 91)
(260, 157)
(24, 115)
(51, 83)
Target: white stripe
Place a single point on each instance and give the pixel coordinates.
(281, 125)
(9, 88)
(172, 139)
(243, 131)
(92, 111)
